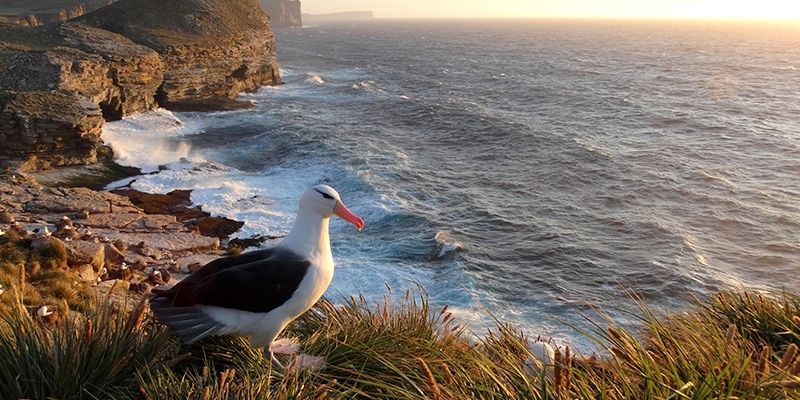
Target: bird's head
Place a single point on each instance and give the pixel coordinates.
(323, 200)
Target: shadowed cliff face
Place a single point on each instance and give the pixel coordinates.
(283, 12)
(187, 55)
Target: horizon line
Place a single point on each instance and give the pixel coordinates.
(586, 18)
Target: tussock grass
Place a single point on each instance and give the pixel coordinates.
(732, 345)
(81, 356)
(41, 274)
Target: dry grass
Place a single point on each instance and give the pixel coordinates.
(732, 345)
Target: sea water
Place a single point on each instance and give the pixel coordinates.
(522, 170)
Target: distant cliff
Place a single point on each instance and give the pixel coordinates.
(339, 16)
(125, 58)
(283, 13)
(43, 12)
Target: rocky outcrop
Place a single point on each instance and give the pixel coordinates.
(106, 68)
(43, 129)
(101, 230)
(186, 55)
(36, 13)
(283, 13)
(211, 50)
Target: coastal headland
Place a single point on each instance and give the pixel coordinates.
(61, 81)
(67, 246)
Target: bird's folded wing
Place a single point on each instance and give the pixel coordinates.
(258, 286)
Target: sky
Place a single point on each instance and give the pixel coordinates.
(658, 9)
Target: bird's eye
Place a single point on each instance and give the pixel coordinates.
(325, 195)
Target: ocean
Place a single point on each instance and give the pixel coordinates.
(515, 169)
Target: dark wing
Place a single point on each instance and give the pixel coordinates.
(258, 286)
(218, 265)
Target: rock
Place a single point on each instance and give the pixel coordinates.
(174, 242)
(42, 13)
(110, 71)
(194, 262)
(151, 252)
(283, 12)
(157, 221)
(114, 256)
(87, 273)
(210, 48)
(111, 220)
(175, 203)
(140, 287)
(220, 227)
(6, 217)
(76, 201)
(45, 129)
(81, 252)
(253, 241)
(123, 273)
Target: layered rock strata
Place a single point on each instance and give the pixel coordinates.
(117, 74)
(211, 50)
(44, 129)
(43, 12)
(185, 55)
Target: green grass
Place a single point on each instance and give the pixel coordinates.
(731, 345)
(82, 356)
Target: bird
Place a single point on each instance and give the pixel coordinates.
(258, 293)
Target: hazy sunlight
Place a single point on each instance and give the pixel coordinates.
(668, 9)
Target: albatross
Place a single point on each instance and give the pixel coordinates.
(258, 293)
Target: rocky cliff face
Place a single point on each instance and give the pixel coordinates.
(120, 76)
(127, 58)
(43, 12)
(283, 12)
(211, 50)
(45, 129)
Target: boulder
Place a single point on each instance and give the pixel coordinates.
(176, 202)
(194, 262)
(114, 256)
(220, 227)
(80, 253)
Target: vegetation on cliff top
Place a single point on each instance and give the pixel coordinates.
(732, 345)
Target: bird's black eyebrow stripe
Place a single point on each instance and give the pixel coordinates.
(325, 195)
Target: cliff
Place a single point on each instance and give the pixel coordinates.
(108, 69)
(42, 12)
(45, 129)
(283, 13)
(339, 16)
(130, 57)
(211, 50)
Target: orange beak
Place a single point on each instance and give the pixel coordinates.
(342, 212)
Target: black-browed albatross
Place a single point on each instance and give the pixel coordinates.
(258, 293)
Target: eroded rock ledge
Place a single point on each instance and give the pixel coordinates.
(129, 57)
(137, 238)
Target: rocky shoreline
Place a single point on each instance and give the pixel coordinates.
(125, 239)
(60, 82)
